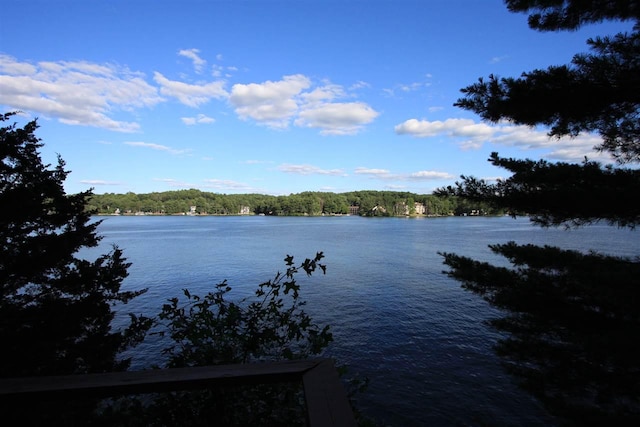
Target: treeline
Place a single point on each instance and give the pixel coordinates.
(368, 203)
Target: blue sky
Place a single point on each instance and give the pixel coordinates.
(273, 97)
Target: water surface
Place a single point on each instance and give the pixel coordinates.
(396, 318)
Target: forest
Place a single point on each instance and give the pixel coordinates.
(368, 203)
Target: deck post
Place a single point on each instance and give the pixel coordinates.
(327, 401)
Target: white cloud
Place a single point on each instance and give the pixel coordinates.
(450, 127)
(220, 185)
(497, 59)
(90, 94)
(229, 185)
(76, 93)
(319, 111)
(380, 173)
(310, 170)
(359, 85)
(269, 103)
(192, 54)
(9, 65)
(577, 154)
(157, 147)
(277, 104)
(99, 182)
(471, 135)
(199, 119)
(222, 71)
(410, 87)
(389, 92)
(345, 118)
(192, 95)
(493, 178)
(324, 93)
(430, 175)
(406, 87)
(415, 176)
(81, 66)
(175, 183)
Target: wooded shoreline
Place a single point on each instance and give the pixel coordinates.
(360, 203)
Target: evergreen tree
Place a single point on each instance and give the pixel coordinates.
(598, 92)
(56, 308)
(572, 320)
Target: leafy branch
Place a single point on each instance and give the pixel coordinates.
(270, 325)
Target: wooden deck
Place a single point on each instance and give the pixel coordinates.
(326, 400)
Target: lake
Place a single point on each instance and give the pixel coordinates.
(396, 318)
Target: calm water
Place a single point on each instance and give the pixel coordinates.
(395, 317)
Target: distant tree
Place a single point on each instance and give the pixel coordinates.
(572, 320)
(411, 204)
(56, 307)
(305, 203)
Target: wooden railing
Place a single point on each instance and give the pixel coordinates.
(326, 400)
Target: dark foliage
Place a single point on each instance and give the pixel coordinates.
(598, 92)
(558, 193)
(56, 308)
(572, 327)
(267, 405)
(570, 319)
(212, 330)
(552, 15)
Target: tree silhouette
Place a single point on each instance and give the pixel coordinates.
(56, 307)
(572, 320)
